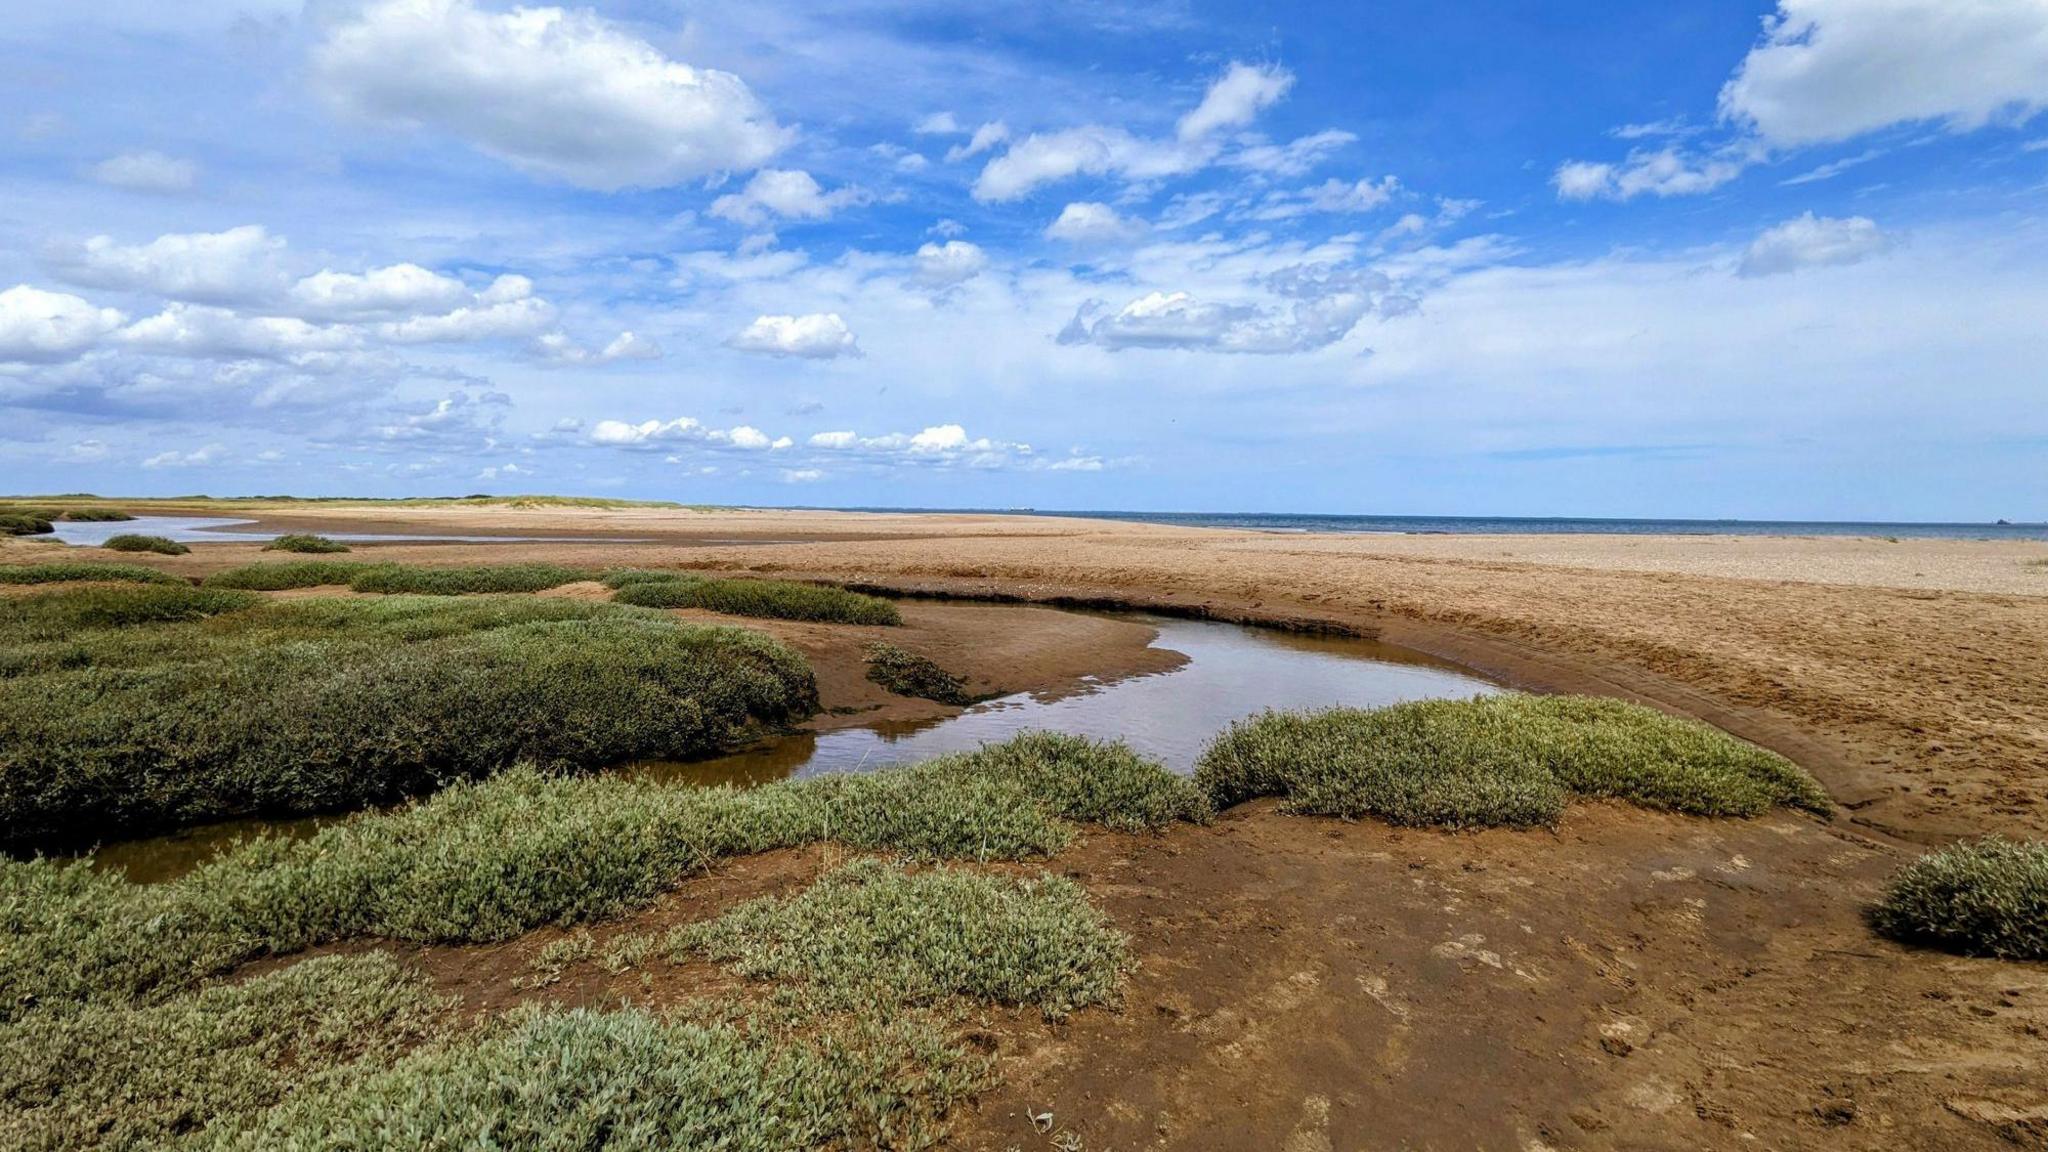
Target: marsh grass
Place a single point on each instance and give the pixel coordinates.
(296, 574)
(71, 571)
(97, 515)
(908, 674)
(1983, 898)
(774, 599)
(24, 524)
(1496, 760)
(135, 542)
(221, 708)
(128, 1076)
(425, 581)
(874, 930)
(301, 542)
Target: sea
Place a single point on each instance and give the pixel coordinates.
(1534, 525)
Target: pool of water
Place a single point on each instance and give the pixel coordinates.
(202, 529)
(1231, 672)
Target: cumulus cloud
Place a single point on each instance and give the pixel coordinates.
(505, 310)
(44, 327)
(942, 446)
(1236, 98)
(147, 171)
(197, 458)
(1092, 222)
(1331, 196)
(228, 267)
(937, 124)
(1656, 172)
(397, 288)
(558, 348)
(564, 94)
(1830, 70)
(1811, 241)
(986, 137)
(791, 194)
(203, 331)
(818, 336)
(668, 435)
(1323, 305)
(950, 263)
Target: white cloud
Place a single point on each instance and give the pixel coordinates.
(987, 136)
(202, 331)
(937, 446)
(41, 327)
(683, 431)
(197, 458)
(560, 93)
(558, 348)
(818, 336)
(1324, 305)
(1662, 172)
(1294, 158)
(792, 194)
(1091, 222)
(147, 172)
(1332, 196)
(801, 475)
(237, 265)
(505, 310)
(1834, 69)
(1813, 242)
(938, 124)
(406, 288)
(1236, 98)
(1092, 150)
(950, 263)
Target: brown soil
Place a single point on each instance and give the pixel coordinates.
(1632, 980)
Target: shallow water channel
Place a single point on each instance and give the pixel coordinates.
(223, 530)
(1231, 672)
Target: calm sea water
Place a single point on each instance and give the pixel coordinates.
(1530, 525)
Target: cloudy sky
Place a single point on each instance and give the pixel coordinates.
(1695, 258)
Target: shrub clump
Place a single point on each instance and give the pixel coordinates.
(70, 571)
(300, 542)
(423, 581)
(147, 1076)
(24, 524)
(227, 709)
(1984, 898)
(278, 577)
(875, 931)
(908, 674)
(135, 542)
(773, 599)
(1509, 759)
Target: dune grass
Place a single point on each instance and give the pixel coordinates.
(302, 542)
(908, 674)
(773, 599)
(1986, 897)
(425, 581)
(135, 542)
(874, 930)
(332, 704)
(1496, 760)
(148, 1076)
(25, 524)
(481, 862)
(70, 571)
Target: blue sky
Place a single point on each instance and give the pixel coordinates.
(1690, 259)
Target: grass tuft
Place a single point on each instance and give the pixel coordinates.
(134, 542)
(874, 931)
(300, 542)
(773, 599)
(70, 571)
(1984, 898)
(126, 1076)
(908, 674)
(329, 704)
(1496, 760)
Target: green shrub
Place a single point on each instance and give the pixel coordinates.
(549, 1080)
(97, 515)
(487, 861)
(24, 524)
(908, 674)
(1984, 898)
(873, 931)
(1092, 781)
(299, 542)
(775, 599)
(67, 571)
(59, 615)
(1496, 760)
(125, 1076)
(278, 577)
(330, 704)
(133, 542)
(422, 581)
